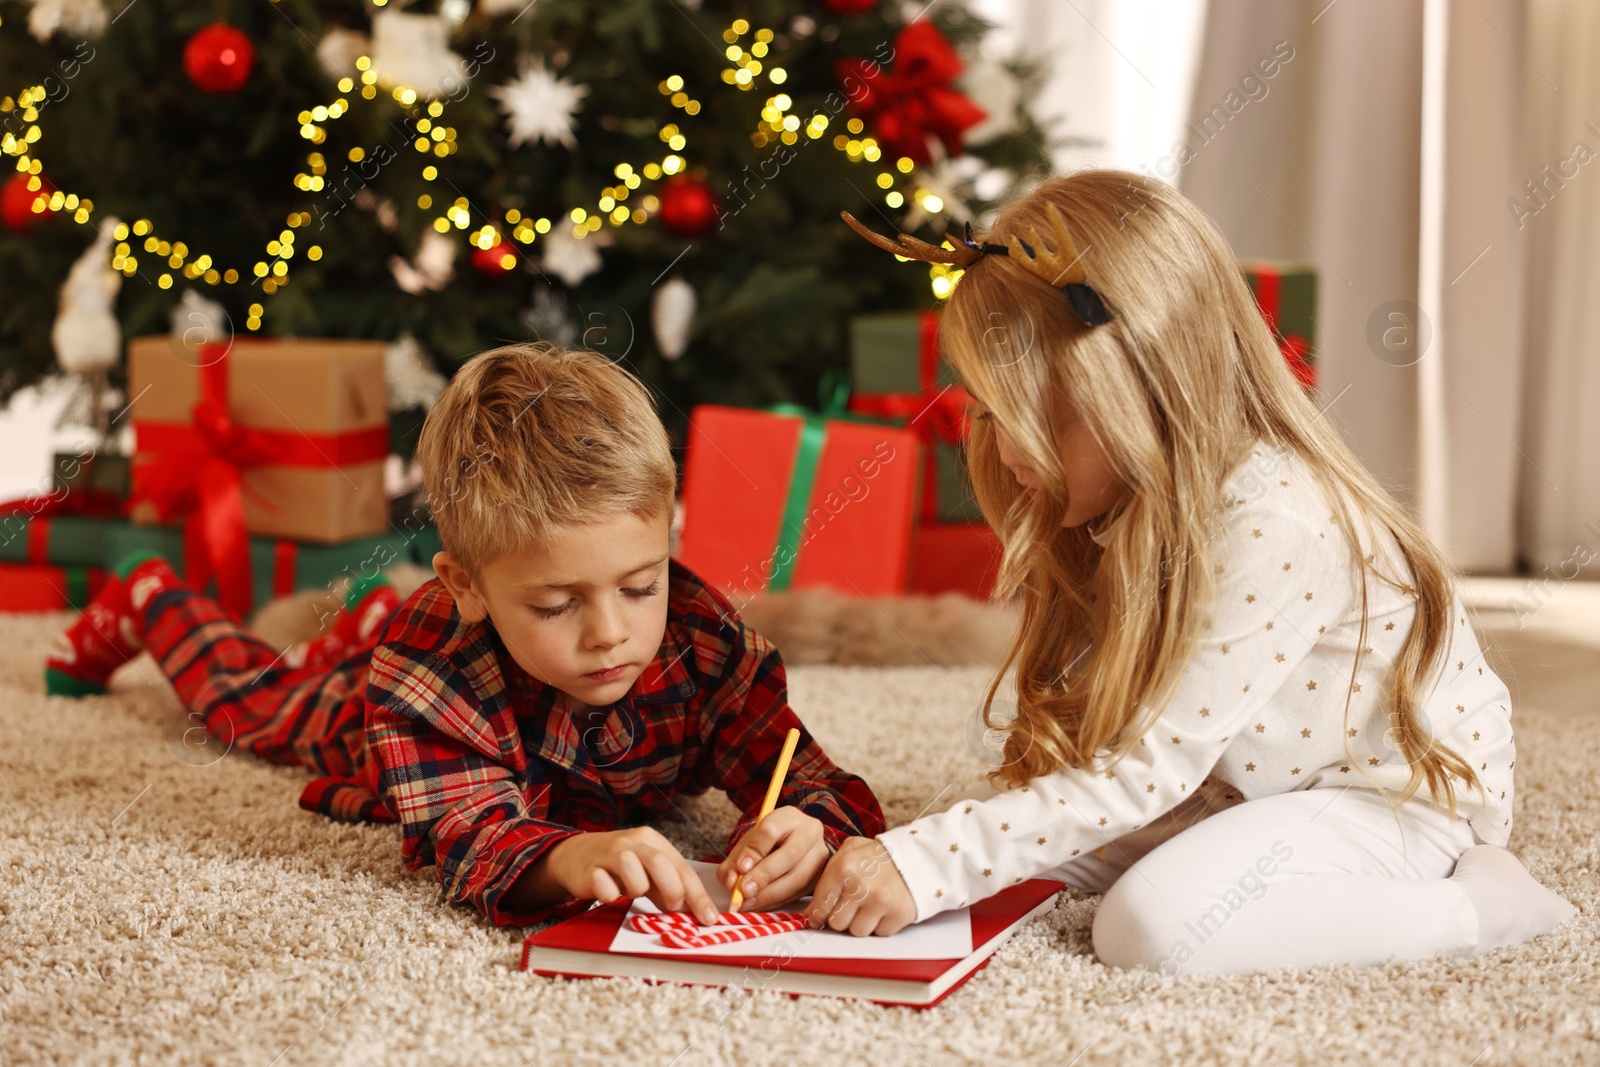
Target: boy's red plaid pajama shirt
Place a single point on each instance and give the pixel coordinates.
(434, 725)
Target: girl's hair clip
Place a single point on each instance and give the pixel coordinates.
(1057, 260)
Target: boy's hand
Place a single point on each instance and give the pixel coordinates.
(777, 861)
(862, 891)
(637, 862)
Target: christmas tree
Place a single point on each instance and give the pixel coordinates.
(660, 181)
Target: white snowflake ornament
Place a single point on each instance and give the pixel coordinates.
(572, 258)
(942, 191)
(547, 317)
(78, 18)
(412, 381)
(432, 269)
(539, 106)
(414, 51)
(339, 50)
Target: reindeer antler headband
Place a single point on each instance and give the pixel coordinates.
(1057, 260)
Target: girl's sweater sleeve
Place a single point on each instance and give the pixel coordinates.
(1282, 576)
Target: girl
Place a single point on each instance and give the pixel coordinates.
(1249, 705)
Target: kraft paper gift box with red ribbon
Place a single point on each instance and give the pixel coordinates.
(281, 438)
(45, 587)
(896, 374)
(1287, 294)
(791, 499)
(278, 566)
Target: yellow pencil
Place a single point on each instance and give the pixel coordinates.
(779, 772)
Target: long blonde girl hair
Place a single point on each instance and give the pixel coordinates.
(1175, 390)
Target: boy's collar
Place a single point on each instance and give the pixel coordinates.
(666, 678)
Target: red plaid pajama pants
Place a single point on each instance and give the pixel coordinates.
(251, 698)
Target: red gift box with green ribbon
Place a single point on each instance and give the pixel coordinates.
(896, 373)
(789, 498)
(955, 557)
(280, 438)
(43, 587)
(1287, 294)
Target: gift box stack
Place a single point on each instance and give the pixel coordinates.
(867, 496)
(257, 470)
(896, 372)
(267, 454)
(50, 560)
(1287, 293)
(781, 499)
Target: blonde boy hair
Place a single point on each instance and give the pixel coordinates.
(533, 438)
(1175, 389)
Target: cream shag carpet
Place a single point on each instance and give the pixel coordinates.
(160, 908)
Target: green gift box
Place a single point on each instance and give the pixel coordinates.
(63, 540)
(897, 352)
(278, 567)
(1287, 295)
(424, 543)
(896, 373)
(100, 471)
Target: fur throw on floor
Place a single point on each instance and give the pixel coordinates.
(808, 626)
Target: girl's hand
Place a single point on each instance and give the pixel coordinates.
(862, 891)
(777, 861)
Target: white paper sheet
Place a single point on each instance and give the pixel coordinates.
(945, 936)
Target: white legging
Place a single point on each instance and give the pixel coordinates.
(1298, 879)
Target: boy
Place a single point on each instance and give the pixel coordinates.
(560, 678)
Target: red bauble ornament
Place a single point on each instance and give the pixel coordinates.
(16, 202)
(850, 7)
(218, 58)
(688, 207)
(498, 259)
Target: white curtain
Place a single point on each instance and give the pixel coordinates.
(1120, 73)
(1330, 174)
(1321, 163)
(1560, 219)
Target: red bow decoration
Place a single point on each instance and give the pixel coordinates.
(936, 412)
(196, 470)
(1296, 350)
(905, 107)
(197, 473)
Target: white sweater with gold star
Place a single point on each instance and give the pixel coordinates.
(1258, 709)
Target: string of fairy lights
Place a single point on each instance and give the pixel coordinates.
(435, 140)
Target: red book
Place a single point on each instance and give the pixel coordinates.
(580, 948)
